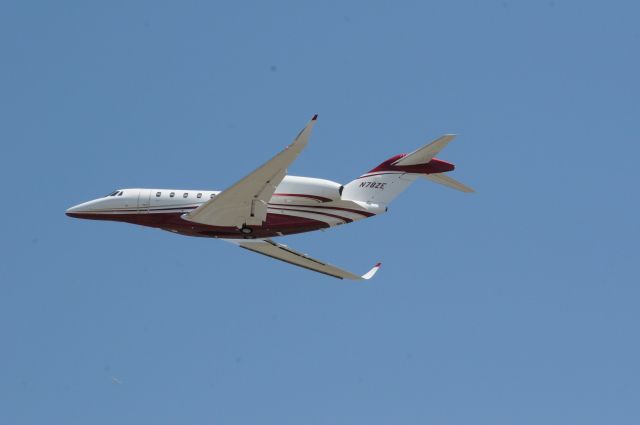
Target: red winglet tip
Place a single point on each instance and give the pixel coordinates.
(315, 117)
(378, 265)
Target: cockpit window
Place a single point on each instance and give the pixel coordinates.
(114, 193)
(121, 192)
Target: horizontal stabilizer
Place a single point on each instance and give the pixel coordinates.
(445, 180)
(426, 153)
(284, 253)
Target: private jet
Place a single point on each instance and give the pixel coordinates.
(268, 203)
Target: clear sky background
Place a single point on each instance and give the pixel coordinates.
(515, 305)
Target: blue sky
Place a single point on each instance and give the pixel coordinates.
(518, 304)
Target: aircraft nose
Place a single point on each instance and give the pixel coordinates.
(78, 210)
(73, 211)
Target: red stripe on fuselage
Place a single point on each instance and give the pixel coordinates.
(363, 213)
(345, 219)
(299, 195)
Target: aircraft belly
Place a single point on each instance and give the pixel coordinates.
(275, 225)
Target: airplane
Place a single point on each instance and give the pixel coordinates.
(269, 203)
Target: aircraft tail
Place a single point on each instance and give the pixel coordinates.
(385, 182)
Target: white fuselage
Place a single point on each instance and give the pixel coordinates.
(299, 204)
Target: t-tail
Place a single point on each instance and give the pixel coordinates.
(382, 184)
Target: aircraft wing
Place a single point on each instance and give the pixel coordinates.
(245, 202)
(284, 253)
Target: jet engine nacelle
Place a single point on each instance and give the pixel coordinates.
(306, 189)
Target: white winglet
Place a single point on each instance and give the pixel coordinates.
(368, 275)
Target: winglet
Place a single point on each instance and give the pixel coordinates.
(303, 136)
(368, 275)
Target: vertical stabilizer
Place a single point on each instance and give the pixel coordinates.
(385, 182)
(378, 188)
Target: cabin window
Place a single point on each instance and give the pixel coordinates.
(212, 195)
(185, 195)
(199, 195)
(172, 194)
(158, 194)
